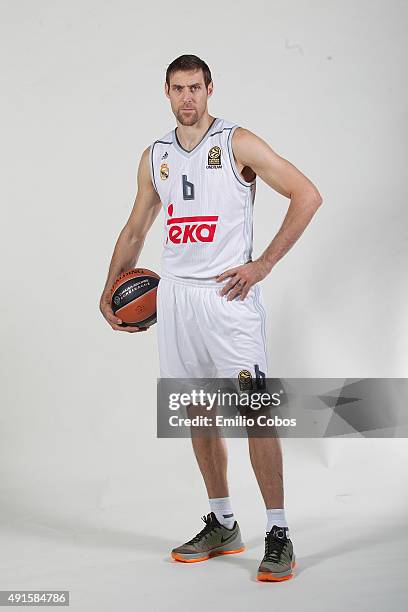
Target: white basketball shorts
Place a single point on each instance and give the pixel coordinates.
(202, 335)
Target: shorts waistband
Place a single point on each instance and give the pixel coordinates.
(197, 282)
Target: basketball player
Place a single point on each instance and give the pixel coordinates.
(203, 175)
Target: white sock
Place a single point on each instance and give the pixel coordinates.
(276, 516)
(221, 506)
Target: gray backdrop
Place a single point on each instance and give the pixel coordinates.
(91, 501)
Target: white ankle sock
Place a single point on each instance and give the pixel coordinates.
(221, 506)
(276, 516)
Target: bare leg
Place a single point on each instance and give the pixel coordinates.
(266, 460)
(212, 457)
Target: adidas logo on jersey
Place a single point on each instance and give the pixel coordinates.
(182, 230)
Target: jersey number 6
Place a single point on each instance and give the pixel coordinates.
(188, 189)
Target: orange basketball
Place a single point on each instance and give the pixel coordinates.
(134, 297)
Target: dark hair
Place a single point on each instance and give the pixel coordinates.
(189, 62)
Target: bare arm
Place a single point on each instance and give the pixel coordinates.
(252, 152)
(131, 239)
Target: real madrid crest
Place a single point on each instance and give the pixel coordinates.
(214, 158)
(164, 171)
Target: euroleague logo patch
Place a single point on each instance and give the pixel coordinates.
(200, 228)
(245, 380)
(214, 158)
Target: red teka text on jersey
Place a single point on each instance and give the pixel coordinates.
(190, 229)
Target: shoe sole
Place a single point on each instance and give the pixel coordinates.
(216, 553)
(269, 577)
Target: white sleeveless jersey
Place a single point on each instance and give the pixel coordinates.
(207, 204)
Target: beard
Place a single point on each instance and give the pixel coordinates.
(189, 118)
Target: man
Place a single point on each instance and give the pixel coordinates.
(210, 313)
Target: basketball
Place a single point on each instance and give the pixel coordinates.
(134, 297)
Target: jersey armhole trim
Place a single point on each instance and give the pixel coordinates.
(232, 160)
(151, 167)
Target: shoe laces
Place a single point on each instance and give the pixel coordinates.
(209, 526)
(274, 547)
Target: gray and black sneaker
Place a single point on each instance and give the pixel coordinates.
(213, 540)
(279, 559)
